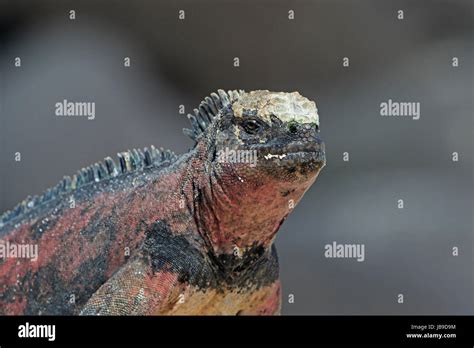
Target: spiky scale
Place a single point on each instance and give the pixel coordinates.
(135, 157)
(224, 97)
(194, 124)
(202, 121)
(190, 133)
(205, 113)
(126, 162)
(217, 100)
(209, 110)
(211, 105)
(141, 157)
(111, 167)
(129, 160)
(84, 175)
(95, 172)
(123, 164)
(169, 154)
(79, 179)
(66, 183)
(148, 157)
(103, 171)
(90, 174)
(74, 183)
(162, 154)
(132, 160)
(156, 154)
(234, 95)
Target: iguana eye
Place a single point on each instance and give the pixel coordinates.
(251, 126)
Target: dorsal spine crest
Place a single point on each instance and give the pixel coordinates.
(129, 162)
(208, 110)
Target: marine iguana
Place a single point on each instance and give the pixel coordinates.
(166, 234)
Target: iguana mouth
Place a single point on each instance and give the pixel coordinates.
(289, 158)
(313, 152)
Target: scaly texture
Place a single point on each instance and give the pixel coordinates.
(164, 234)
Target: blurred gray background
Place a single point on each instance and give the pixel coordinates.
(173, 62)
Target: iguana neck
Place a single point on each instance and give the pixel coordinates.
(234, 213)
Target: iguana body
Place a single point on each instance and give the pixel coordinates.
(161, 234)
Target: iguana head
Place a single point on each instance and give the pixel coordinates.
(264, 151)
(273, 132)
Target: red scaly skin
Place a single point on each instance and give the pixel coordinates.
(64, 247)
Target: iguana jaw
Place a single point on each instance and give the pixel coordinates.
(242, 207)
(246, 210)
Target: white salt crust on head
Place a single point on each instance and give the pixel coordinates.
(286, 106)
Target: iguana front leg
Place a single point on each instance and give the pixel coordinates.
(136, 290)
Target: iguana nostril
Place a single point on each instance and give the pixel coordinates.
(292, 128)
